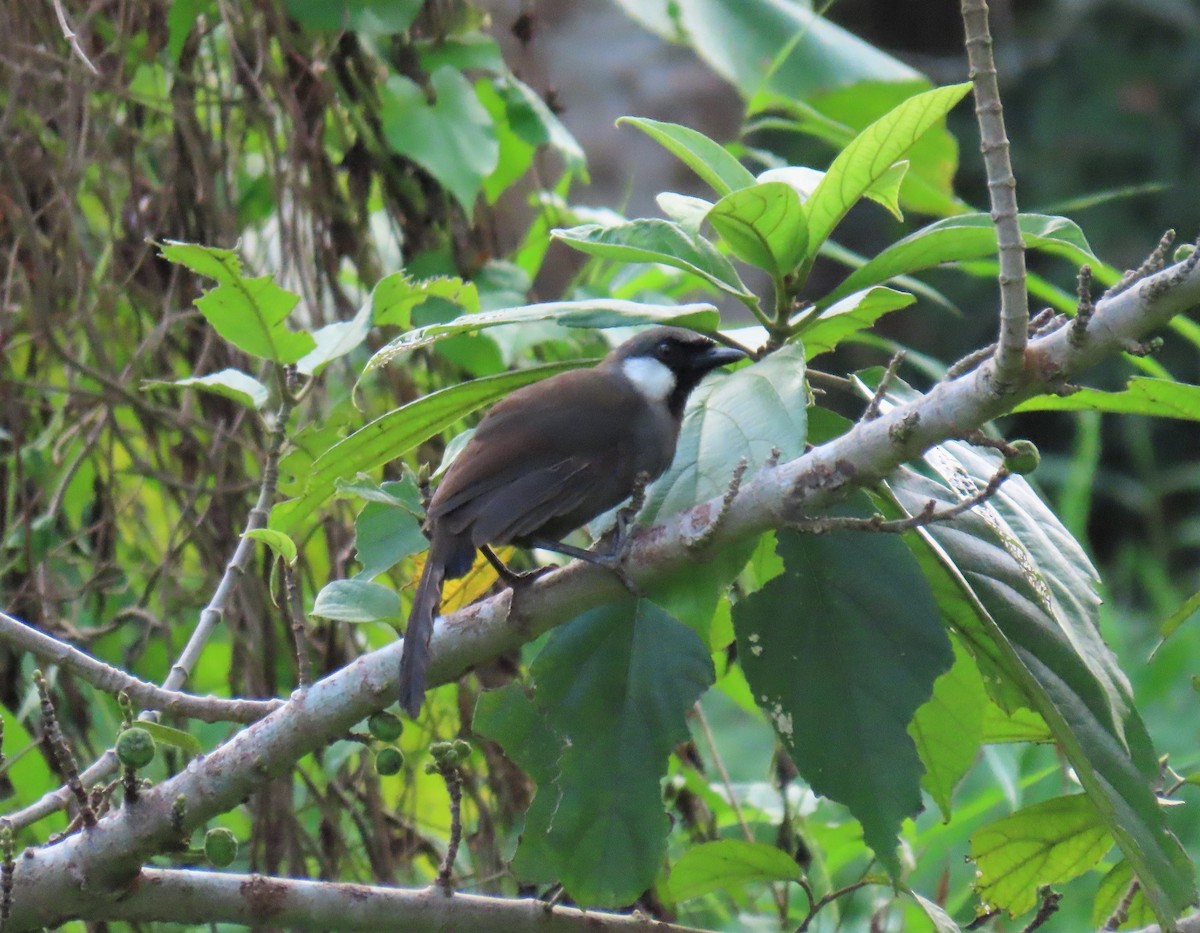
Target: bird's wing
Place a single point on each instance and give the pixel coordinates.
(526, 434)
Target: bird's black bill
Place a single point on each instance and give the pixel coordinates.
(716, 356)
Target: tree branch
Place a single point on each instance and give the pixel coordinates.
(82, 871)
(205, 897)
(1002, 191)
(109, 679)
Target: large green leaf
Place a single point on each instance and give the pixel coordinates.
(948, 728)
(615, 686)
(955, 239)
(871, 155)
(1162, 398)
(840, 655)
(763, 225)
(387, 530)
(396, 433)
(856, 312)
(745, 413)
(729, 863)
(452, 138)
(247, 312)
(767, 45)
(586, 312)
(1033, 620)
(708, 159)
(654, 240)
(1047, 843)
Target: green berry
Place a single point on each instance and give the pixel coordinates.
(1183, 251)
(1024, 457)
(135, 747)
(389, 760)
(220, 847)
(385, 726)
(462, 749)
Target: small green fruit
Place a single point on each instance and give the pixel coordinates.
(389, 760)
(462, 749)
(220, 847)
(1024, 457)
(385, 726)
(135, 747)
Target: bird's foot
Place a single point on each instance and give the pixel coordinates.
(514, 578)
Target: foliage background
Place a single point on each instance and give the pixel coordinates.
(120, 504)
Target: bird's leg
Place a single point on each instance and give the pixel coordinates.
(614, 561)
(513, 578)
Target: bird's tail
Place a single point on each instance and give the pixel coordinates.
(414, 658)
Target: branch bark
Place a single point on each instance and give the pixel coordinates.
(79, 875)
(217, 897)
(1002, 192)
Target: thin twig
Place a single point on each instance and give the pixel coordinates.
(872, 410)
(71, 37)
(61, 752)
(927, 516)
(1002, 192)
(1084, 307)
(1152, 264)
(1121, 913)
(293, 608)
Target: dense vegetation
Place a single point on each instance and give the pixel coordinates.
(260, 277)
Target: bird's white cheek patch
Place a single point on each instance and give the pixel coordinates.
(652, 378)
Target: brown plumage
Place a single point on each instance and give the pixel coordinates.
(551, 457)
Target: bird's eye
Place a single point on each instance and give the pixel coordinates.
(663, 350)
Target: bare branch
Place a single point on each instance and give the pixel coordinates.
(1002, 191)
(209, 897)
(109, 679)
(71, 37)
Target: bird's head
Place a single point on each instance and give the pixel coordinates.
(666, 363)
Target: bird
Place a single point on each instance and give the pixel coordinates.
(549, 458)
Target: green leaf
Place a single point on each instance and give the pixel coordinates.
(587, 312)
(247, 312)
(886, 190)
(536, 123)
(280, 544)
(763, 225)
(452, 138)
(176, 738)
(1161, 398)
(654, 240)
(1048, 843)
(942, 921)
(1112, 890)
(729, 863)
(336, 340)
(871, 155)
(710, 160)
(687, 211)
(745, 413)
(854, 313)
(395, 296)
(961, 238)
(948, 728)
(1034, 622)
(616, 684)
(472, 50)
(230, 383)
(840, 656)
(387, 532)
(398, 432)
(1170, 625)
(370, 17)
(356, 601)
(761, 45)
(1021, 725)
